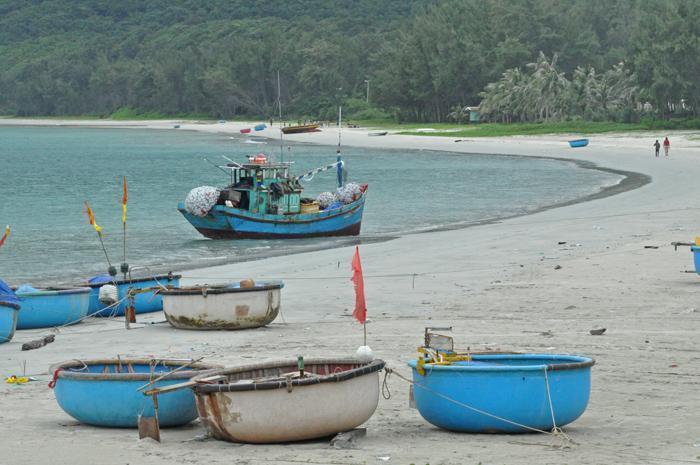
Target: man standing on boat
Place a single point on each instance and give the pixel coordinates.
(667, 145)
(657, 146)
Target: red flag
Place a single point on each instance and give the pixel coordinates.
(360, 312)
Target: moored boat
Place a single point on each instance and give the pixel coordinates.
(144, 302)
(696, 257)
(231, 306)
(9, 308)
(106, 392)
(277, 402)
(49, 307)
(263, 201)
(499, 393)
(578, 143)
(301, 128)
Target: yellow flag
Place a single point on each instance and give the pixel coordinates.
(91, 217)
(125, 198)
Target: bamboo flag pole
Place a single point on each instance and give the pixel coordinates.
(98, 230)
(125, 199)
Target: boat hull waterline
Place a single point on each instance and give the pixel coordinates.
(48, 308)
(105, 392)
(216, 308)
(342, 396)
(232, 223)
(506, 393)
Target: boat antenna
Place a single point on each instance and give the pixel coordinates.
(279, 106)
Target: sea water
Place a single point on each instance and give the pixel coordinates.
(47, 173)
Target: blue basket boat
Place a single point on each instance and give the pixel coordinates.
(9, 308)
(503, 393)
(46, 308)
(145, 302)
(578, 143)
(106, 392)
(8, 320)
(696, 257)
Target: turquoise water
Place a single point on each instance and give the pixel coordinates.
(47, 174)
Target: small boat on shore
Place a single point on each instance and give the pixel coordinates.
(499, 393)
(300, 128)
(578, 143)
(232, 306)
(106, 392)
(263, 201)
(9, 308)
(50, 307)
(288, 400)
(378, 133)
(144, 302)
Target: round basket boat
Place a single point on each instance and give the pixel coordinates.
(8, 320)
(227, 306)
(503, 393)
(46, 308)
(106, 392)
(269, 402)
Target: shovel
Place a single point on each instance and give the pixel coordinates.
(149, 426)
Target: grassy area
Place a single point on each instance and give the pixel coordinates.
(523, 129)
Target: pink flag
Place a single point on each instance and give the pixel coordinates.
(360, 311)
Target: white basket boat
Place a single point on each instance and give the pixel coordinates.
(270, 402)
(222, 307)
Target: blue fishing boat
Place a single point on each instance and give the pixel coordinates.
(263, 201)
(46, 308)
(578, 143)
(9, 308)
(503, 393)
(144, 302)
(107, 392)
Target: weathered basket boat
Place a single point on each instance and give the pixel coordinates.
(578, 143)
(222, 307)
(269, 402)
(503, 393)
(106, 392)
(45, 308)
(144, 302)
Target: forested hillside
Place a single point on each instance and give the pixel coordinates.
(220, 58)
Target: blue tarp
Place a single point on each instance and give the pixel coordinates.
(7, 294)
(101, 279)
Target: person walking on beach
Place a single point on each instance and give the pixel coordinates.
(657, 146)
(667, 145)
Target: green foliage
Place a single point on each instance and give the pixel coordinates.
(425, 59)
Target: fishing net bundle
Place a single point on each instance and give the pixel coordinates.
(201, 200)
(349, 192)
(326, 199)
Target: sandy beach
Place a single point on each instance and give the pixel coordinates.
(534, 283)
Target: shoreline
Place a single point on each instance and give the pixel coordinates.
(630, 181)
(536, 283)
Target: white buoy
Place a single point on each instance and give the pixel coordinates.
(108, 294)
(364, 354)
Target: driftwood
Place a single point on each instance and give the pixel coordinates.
(38, 343)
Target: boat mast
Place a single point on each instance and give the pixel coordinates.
(279, 105)
(340, 164)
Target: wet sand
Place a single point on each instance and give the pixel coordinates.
(506, 285)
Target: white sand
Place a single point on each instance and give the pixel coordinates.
(495, 284)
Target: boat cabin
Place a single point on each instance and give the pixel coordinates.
(262, 187)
